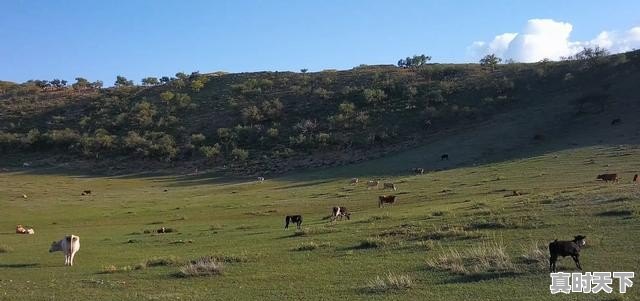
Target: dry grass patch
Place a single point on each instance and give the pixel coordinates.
(161, 261)
(487, 258)
(205, 266)
(389, 282)
(536, 256)
(310, 246)
(314, 231)
(5, 249)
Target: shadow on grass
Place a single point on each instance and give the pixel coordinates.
(19, 265)
(479, 277)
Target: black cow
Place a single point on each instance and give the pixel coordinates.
(566, 248)
(295, 219)
(444, 157)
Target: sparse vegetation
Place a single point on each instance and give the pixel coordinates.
(389, 282)
(205, 266)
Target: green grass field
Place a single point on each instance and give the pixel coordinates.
(463, 211)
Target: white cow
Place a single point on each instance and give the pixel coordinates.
(70, 244)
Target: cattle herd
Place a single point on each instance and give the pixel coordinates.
(70, 244)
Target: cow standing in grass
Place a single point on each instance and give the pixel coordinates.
(354, 181)
(70, 244)
(386, 199)
(390, 186)
(373, 184)
(339, 212)
(295, 219)
(608, 177)
(566, 248)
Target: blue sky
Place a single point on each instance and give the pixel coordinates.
(102, 39)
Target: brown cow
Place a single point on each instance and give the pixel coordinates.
(386, 199)
(608, 177)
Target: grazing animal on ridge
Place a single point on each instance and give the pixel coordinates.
(608, 177)
(390, 186)
(260, 179)
(340, 212)
(70, 244)
(86, 192)
(354, 181)
(295, 219)
(373, 183)
(419, 171)
(386, 199)
(566, 248)
(444, 157)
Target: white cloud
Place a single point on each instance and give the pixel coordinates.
(546, 38)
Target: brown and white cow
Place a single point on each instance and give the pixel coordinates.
(354, 181)
(70, 244)
(608, 177)
(340, 212)
(386, 199)
(24, 230)
(373, 184)
(390, 186)
(419, 171)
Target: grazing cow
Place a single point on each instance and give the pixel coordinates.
(566, 248)
(390, 186)
(340, 212)
(24, 196)
(616, 121)
(25, 164)
(86, 192)
(386, 199)
(24, 230)
(295, 219)
(373, 183)
(635, 178)
(419, 171)
(70, 244)
(608, 177)
(354, 181)
(260, 179)
(444, 157)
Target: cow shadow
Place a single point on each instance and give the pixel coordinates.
(19, 265)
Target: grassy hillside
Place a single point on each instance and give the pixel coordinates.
(466, 212)
(273, 122)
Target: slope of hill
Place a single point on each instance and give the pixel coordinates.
(273, 122)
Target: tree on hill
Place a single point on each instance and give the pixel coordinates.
(81, 83)
(165, 79)
(490, 61)
(150, 81)
(415, 61)
(122, 81)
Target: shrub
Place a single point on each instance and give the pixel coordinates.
(205, 266)
(239, 154)
(537, 254)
